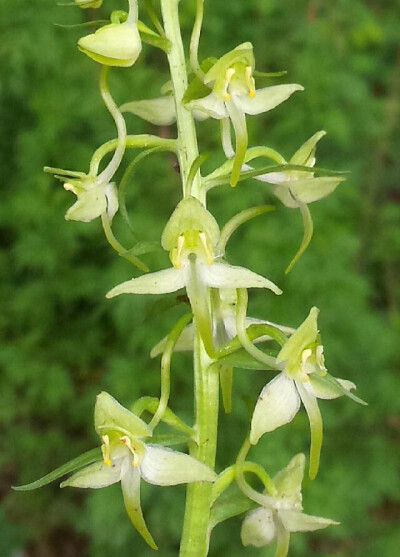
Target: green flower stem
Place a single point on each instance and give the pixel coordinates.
(195, 39)
(187, 139)
(194, 541)
(226, 477)
(142, 141)
(261, 499)
(119, 248)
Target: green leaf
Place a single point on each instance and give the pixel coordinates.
(74, 464)
(141, 248)
(154, 40)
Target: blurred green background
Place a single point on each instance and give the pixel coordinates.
(62, 342)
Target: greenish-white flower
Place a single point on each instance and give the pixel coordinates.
(303, 378)
(128, 459)
(94, 198)
(294, 187)
(283, 514)
(191, 237)
(234, 95)
(116, 44)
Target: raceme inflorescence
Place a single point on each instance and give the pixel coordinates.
(217, 330)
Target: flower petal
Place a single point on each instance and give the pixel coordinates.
(196, 290)
(267, 98)
(307, 190)
(112, 200)
(314, 416)
(288, 481)
(160, 111)
(303, 154)
(301, 339)
(328, 390)
(277, 405)
(160, 282)
(282, 539)
(109, 414)
(90, 205)
(130, 484)
(258, 528)
(222, 275)
(210, 105)
(295, 521)
(162, 466)
(96, 475)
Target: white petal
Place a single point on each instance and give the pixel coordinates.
(222, 275)
(161, 282)
(267, 98)
(96, 475)
(298, 522)
(327, 391)
(258, 528)
(112, 200)
(311, 189)
(161, 466)
(160, 111)
(277, 405)
(210, 105)
(90, 205)
(130, 484)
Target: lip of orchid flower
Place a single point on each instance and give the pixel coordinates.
(191, 236)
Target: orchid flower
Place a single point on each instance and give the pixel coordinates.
(128, 459)
(116, 44)
(282, 514)
(303, 378)
(234, 95)
(191, 237)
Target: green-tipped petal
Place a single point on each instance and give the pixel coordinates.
(305, 335)
(258, 528)
(328, 387)
(306, 190)
(305, 152)
(189, 214)
(210, 105)
(160, 111)
(242, 53)
(288, 481)
(295, 521)
(109, 414)
(222, 275)
(90, 205)
(277, 405)
(282, 539)
(267, 98)
(238, 120)
(82, 460)
(161, 282)
(162, 466)
(117, 44)
(315, 418)
(130, 484)
(96, 475)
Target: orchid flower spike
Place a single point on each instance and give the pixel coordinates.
(284, 513)
(115, 44)
(234, 95)
(128, 459)
(303, 378)
(191, 237)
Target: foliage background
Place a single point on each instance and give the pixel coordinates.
(62, 342)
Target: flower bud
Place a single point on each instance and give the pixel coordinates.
(116, 44)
